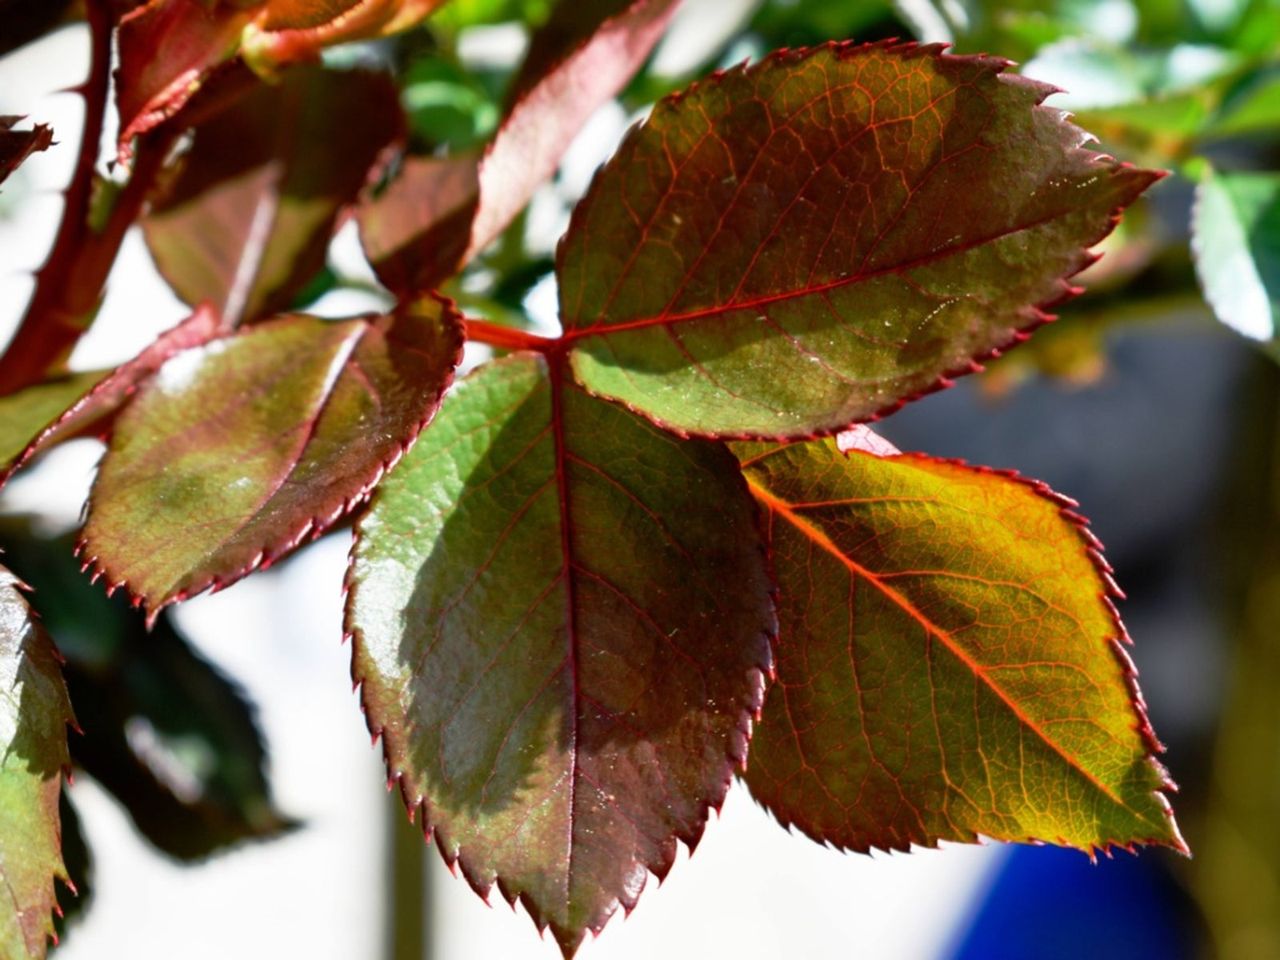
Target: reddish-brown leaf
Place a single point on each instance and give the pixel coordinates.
(949, 660)
(17, 145)
(247, 221)
(437, 214)
(290, 30)
(561, 618)
(167, 49)
(235, 452)
(793, 246)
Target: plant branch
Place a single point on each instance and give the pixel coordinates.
(509, 338)
(69, 285)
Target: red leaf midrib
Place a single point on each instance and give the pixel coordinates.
(775, 505)
(604, 328)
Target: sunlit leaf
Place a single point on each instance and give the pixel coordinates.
(47, 414)
(1236, 242)
(438, 213)
(237, 451)
(167, 49)
(561, 620)
(949, 661)
(247, 221)
(34, 713)
(290, 30)
(813, 240)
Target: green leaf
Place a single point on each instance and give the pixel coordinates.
(949, 661)
(48, 413)
(164, 730)
(438, 214)
(17, 145)
(34, 713)
(561, 620)
(793, 246)
(264, 438)
(1235, 229)
(1250, 109)
(25, 414)
(247, 221)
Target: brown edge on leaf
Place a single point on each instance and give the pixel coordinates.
(314, 527)
(1111, 592)
(453, 855)
(1037, 313)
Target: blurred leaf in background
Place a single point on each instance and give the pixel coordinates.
(164, 731)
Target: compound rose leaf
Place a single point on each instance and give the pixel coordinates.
(34, 713)
(949, 661)
(40, 417)
(793, 246)
(438, 214)
(236, 451)
(247, 221)
(561, 622)
(17, 145)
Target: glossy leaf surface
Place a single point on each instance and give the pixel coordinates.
(949, 661)
(34, 713)
(247, 221)
(25, 414)
(49, 413)
(235, 452)
(1236, 241)
(438, 214)
(561, 620)
(17, 145)
(171, 737)
(804, 243)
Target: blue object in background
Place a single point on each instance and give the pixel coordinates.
(1048, 903)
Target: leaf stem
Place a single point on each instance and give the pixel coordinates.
(69, 285)
(509, 338)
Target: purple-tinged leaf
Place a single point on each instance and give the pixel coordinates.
(34, 713)
(793, 246)
(235, 452)
(247, 220)
(949, 661)
(561, 623)
(438, 214)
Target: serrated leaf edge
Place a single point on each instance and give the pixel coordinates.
(1037, 312)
